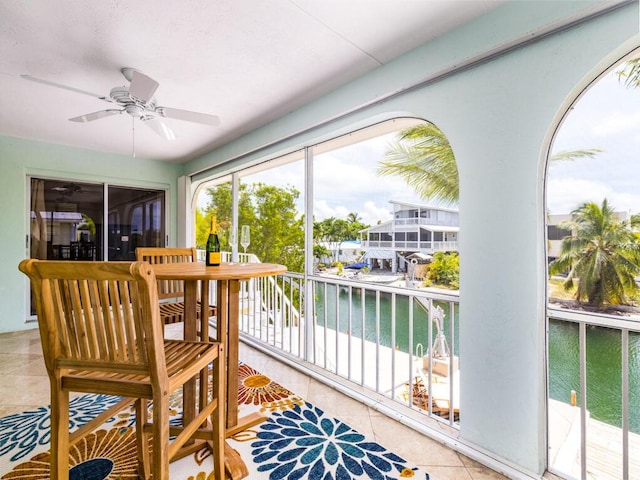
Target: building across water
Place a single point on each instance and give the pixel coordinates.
(412, 236)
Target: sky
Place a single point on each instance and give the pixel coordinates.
(345, 181)
(605, 117)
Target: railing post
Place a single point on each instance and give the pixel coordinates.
(309, 286)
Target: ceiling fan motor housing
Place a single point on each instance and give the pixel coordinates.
(135, 108)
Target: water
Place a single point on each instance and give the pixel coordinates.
(604, 367)
(604, 364)
(388, 338)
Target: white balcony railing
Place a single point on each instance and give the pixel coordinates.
(592, 432)
(432, 246)
(428, 222)
(369, 340)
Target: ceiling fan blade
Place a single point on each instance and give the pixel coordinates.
(66, 87)
(89, 117)
(142, 86)
(189, 116)
(159, 127)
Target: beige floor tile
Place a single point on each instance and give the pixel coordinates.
(448, 473)
(333, 402)
(6, 410)
(412, 445)
(24, 390)
(479, 471)
(22, 364)
(484, 473)
(25, 342)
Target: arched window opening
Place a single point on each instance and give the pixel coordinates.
(593, 243)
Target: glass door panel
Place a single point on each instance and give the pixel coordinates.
(136, 219)
(66, 220)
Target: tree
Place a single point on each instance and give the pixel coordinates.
(602, 254)
(331, 232)
(354, 226)
(423, 157)
(220, 205)
(444, 270)
(630, 73)
(277, 233)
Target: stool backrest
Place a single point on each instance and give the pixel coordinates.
(168, 289)
(98, 316)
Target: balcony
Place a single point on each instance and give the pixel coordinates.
(370, 342)
(427, 246)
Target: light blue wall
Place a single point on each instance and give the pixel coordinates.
(21, 158)
(499, 117)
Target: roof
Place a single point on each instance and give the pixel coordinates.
(424, 207)
(440, 228)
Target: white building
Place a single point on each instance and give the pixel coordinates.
(348, 251)
(555, 233)
(414, 229)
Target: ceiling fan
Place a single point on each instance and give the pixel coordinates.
(138, 101)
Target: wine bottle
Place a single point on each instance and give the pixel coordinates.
(213, 246)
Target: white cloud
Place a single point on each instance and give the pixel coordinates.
(617, 123)
(564, 195)
(321, 210)
(373, 213)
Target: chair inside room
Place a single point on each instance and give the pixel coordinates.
(171, 292)
(101, 333)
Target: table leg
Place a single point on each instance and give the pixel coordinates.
(233, 342)
(230, 290)
(190, 333)
(204, 337)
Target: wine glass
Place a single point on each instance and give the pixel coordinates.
(245, 237)
(233, 243)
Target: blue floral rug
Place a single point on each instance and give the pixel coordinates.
(297, 441)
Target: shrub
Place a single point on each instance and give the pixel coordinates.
(444, 270)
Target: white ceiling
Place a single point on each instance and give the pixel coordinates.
(246, 61)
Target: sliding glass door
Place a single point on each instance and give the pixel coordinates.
(67, 220)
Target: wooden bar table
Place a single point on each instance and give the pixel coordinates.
(228, 277)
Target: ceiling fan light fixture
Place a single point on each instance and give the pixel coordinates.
(135, 111)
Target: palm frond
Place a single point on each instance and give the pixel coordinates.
(630, 73)
(571, 155)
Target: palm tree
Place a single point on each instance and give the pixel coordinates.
(353, 217)
(602, 254)
(423, 157)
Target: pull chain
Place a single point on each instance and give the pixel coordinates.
(133, 137)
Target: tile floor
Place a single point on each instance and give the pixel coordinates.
(24, 384)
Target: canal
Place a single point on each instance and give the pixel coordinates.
(604, 364)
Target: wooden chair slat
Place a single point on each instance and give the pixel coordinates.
(171, 292)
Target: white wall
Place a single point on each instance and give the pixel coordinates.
(499, 116)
